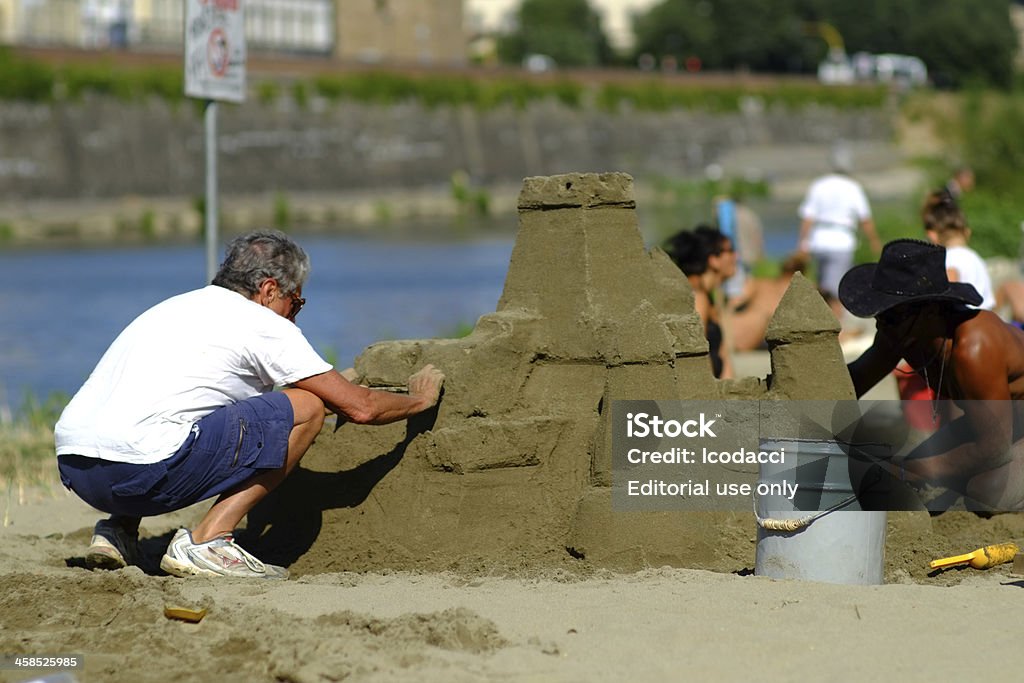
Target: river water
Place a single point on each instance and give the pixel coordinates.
(62, 307)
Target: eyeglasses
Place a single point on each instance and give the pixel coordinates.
(297, 303)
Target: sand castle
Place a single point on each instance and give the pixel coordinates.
(514, 467)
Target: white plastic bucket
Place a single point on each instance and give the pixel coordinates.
(844, 546)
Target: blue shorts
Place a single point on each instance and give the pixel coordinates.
(224, 449)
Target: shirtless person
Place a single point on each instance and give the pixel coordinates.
(966, 355)
(749, 316)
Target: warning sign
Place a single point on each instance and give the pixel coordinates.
(215, 50)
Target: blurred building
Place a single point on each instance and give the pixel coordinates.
(498, 16)
(1017, 20)
(401, 31)
(365, 30)
(7, 21)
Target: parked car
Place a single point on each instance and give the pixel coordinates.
(835, 70)
(902, 70)
(538, 63)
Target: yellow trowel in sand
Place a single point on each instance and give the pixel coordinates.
(982, 558)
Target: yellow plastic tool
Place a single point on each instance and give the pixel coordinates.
(982, 558)
(193, 616)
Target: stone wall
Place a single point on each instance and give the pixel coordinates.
(513, 468)
(105, 148)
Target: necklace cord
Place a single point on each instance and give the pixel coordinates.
(938, 387)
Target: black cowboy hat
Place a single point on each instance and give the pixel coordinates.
(908, 270)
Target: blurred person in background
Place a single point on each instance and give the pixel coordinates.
(831, 214)
(750, 313)
(960, 182)
(742, 225)
(945, 224)
(708, 259)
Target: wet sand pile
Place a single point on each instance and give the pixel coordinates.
(513, 469)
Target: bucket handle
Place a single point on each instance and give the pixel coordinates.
(771, 524)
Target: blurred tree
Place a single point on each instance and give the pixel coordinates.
(727, 34)
(965, 41)
(568, 31)
(960, 41)
(679, 29)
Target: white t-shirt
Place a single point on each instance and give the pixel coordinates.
(971, 269)
(176, 363)
(836, 205)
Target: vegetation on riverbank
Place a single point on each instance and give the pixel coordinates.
(26, 446)
(26, 79)
(983, 129)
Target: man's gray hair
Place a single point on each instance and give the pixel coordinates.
(252, 258)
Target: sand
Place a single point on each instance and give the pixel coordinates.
(544, 624)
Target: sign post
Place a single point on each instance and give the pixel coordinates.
(214, 70)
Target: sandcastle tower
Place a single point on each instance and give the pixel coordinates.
(515, 466)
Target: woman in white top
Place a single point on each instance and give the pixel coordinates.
(945, 224)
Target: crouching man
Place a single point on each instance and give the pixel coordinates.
(182, 408)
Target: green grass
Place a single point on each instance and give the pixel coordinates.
(458, 331)
(25, 79)
(27, 456)
(282, 212)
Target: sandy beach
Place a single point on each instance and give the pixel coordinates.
(480, 542)
(570, 623)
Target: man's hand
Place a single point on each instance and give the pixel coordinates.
(426, 384)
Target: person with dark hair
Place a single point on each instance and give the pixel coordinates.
(965, 355)
(182, 408)
(945, 224)
(960, 182)
(708, 259)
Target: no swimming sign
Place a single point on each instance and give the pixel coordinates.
(215, 50)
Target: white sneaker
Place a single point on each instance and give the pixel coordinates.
(218, 557)
(111, 547)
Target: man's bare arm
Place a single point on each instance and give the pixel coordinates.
(802, 246)
(367, 406)
(872, 366)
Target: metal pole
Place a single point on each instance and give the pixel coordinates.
(210, 120)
